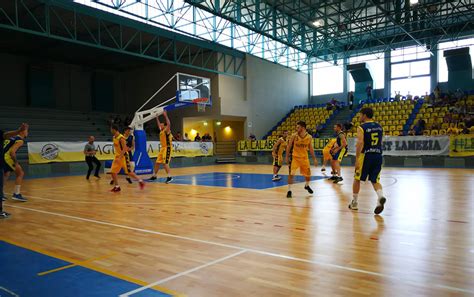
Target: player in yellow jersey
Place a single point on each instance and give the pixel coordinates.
(121, 160)
(327, 155)
(297, 156)
(10, 147)
(164, 155)
(277, 153)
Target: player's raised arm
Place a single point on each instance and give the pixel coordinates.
(168, 123)
(158, 122)
(23, 127)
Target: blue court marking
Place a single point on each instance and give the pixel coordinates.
(235, 180)
(19, 277)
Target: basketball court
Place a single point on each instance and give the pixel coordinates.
(227, 230)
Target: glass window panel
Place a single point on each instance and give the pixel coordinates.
(442, 66)
(327, 78)
(400, 70)
(417, 86)
(419, 67)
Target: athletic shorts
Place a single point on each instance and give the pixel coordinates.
(278, 161)
(370, 167)
(327, 154)
(302, 164)
(119, 164)
(9, 165)
(339, 155)
(164, 155)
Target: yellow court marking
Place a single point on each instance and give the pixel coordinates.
(74, 265)
(86, 264)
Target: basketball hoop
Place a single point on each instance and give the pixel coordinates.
(201, 104)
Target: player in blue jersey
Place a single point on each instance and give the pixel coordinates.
(368, 158)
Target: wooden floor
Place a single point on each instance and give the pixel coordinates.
(215, 241)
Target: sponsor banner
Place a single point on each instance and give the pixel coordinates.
(462, 146)
(410, 145)
(45, 152)
(392, 145)
(267, 145)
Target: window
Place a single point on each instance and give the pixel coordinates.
(327, 78)
(417, 86)
(376, 65)
(409, 69)
(442, 66)
(409, 53)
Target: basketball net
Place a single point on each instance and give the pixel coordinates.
(201, 104)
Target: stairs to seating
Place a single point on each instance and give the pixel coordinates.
(225, 151)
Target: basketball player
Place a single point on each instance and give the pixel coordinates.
(277, 153)
(164, 156)
(338, 152)
(130, 142)
(121, 160)
(368, 158)
(298, 147)
(10, 147)
(4, 136)
(89, 152)
(327, 155)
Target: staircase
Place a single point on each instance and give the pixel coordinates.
(343, 116)
(225, 151)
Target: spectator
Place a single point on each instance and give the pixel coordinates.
(398, 97)
(206, 137)
(350, 100)
(368, 90)
(437, 93)
(197, 138)
(252, 137)
(329, 106)
(186, 138)
(418, 128)
(178, 137)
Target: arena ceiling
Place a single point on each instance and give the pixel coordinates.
(291, 33)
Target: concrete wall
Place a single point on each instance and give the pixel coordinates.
(267, 94)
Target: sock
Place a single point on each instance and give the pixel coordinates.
(289, 187)
(306, 184)
(116, 186)
(17, 189)
(379, 193)
(354, 197)
(140, 180)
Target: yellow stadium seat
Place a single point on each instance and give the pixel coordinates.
(396, 133)
(399, 127)
(434, 132)
(426, 132)
(442, 132)
(393, 128)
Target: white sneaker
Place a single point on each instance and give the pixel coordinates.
(276, 178)
(353, 205)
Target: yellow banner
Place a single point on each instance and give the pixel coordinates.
(267, 145)
(46, 152)
(461, 145)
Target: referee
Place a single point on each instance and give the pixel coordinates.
(89, 152)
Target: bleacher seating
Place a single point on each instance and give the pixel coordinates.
(313, 115)
(55, 125)
(392, 115)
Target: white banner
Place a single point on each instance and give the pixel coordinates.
(45, 152)
(410, 145)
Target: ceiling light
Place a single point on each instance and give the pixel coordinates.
(318, 23)
(413, 2)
